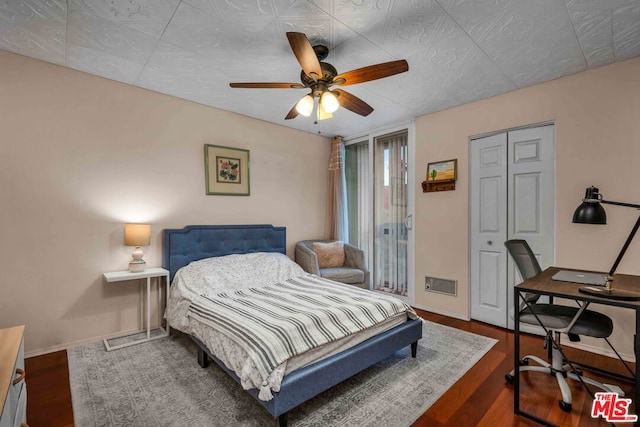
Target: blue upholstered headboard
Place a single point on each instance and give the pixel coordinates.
(195, 242)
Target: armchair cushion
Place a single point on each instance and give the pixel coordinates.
(330, 255)
(350, 276)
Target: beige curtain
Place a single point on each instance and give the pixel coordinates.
(337, 218)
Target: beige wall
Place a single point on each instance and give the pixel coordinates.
(81, 155)
(597, 124)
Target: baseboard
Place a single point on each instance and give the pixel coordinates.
(598, 350)
(442, 312)
(629, 357)
(59, 347)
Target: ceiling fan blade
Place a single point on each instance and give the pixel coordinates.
(372, 72)
(268, 85)
(304, 53)
(353, 103)
(292, 114)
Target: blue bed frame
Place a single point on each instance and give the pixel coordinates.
(195, 242)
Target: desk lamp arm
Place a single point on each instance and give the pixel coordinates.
(629, 239)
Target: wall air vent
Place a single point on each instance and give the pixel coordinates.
(441, 286)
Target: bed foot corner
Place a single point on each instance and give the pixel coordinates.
(203, 359)
(414, 349)
(282, 420)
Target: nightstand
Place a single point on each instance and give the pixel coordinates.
(149, 273)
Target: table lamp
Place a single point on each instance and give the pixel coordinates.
(137, 235)
(592, 212)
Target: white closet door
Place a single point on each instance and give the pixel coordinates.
(531, 200)
(512, 196)
(488, 218)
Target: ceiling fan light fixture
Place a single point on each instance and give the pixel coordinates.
(320, 76)
(329, 102)
(323, 114)
(305, 105)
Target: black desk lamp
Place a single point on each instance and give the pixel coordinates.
(592, 212)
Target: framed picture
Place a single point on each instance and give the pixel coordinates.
(446, 170)
(226, 170)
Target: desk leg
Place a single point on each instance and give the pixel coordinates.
(516, 354)
(148, 308)
(516, 365)
(636, 350)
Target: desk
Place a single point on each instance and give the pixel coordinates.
(543, 284)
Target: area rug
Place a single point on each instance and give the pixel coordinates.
(159, 383)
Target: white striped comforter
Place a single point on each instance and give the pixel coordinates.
(276, 322)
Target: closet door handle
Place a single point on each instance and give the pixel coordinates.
(21, 374)
(489, 242)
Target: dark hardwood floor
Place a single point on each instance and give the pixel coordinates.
(48, 390)
(480, 398)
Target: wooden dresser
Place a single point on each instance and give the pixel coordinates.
(13, 389)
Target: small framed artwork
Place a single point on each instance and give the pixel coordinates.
(226, 170)
(446, 170)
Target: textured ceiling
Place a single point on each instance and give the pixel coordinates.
(458, 50)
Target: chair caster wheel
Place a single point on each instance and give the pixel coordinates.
(566, 407)
(509, 378)
(524, 362)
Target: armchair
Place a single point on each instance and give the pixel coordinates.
(353, 272)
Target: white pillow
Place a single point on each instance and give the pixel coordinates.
(240, 271)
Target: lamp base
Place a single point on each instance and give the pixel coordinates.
(619, 294)
(137, 266)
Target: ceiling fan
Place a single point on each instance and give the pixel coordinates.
(320, 76)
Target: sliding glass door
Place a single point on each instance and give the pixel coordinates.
(390, 213)
(378, 191)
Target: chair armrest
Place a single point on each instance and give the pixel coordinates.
(353, 257)
(307, 259)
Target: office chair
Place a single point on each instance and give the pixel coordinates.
(556, 319)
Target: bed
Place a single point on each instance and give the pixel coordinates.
(200, 243)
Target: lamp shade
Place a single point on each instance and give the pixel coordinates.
(322, 114)
(305, 105)
(137, 234)
(590, 210)
(329, 102)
